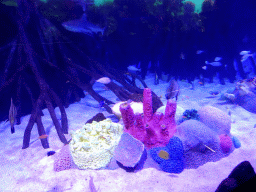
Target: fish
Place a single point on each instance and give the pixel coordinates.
(42, 136)
(82, 25)
(244, 52)
(104, 80)
(200, 82)
(246, 56)
(217, 59)
(182, 55)
(198, 52)
(102, 103)
(164, 154)
(133, 69)
(12, 116)
(214, 93)
(215, 63)
(91, 185)
(172, 90)
(204, 67)
(156, 80)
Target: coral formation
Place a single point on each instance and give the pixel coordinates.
(215, 119)
(225, 143)
(154, 130)
(170, 158)
(62, 159)
(190, 114)
(93, 145)
(196, 135)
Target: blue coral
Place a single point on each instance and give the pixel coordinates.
(236, 142)
(175, 163)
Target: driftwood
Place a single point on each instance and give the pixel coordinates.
(34, 68)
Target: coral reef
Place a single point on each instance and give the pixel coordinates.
(190, 114)
(92, 146)
(62, 159)
(154, 130)
(170, 158)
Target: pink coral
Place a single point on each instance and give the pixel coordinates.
(154, 130)
(62, 159)
(225, 143)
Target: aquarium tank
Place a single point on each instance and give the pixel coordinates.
(127, 95)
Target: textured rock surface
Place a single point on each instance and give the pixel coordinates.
(93, 145)
(129, 150)
(62, 159)
(196, 135)
(215, 119)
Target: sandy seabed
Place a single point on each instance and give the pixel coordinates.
(32, 170)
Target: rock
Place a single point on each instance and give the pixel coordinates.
(215, 119)
(98, 117)
(242, 178)
(196, 135)
(129, 150)
(138, 166)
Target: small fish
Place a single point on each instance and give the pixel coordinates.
(91, 185)
(42, 136)
(204, 67)
(246, 57)
(164, 154)
(198, 52)
(104, 80)
(244, 52)
(217, 59)
(172, 90)
(133, 69)
(215, 63)
(182, 55)
(156, 80)
(102, 103)
(49, 153)
(201, 83)
(214, 93)
(12, 116)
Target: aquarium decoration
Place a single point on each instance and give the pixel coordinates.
(93, 146)
(153, 129)
(190, 114)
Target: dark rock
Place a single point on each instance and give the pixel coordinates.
(99, 117)
(49, 153)
(241, 179)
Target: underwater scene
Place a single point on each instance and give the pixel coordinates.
(127, 95)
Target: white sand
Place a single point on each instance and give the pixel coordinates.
(31, 170)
